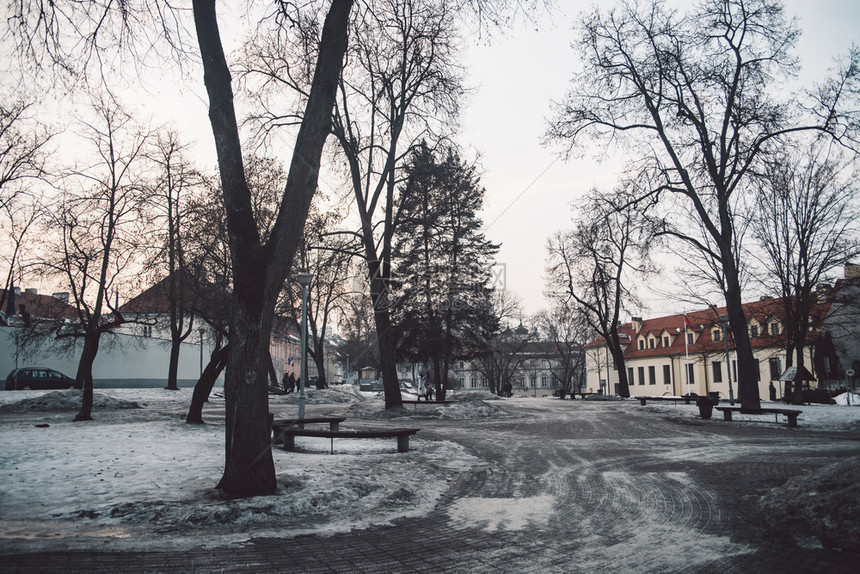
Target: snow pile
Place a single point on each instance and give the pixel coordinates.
(122, 481)
(475, 396)
(468, 409)
(339, 394)
(67, 400)
(824, 504)
(845, 397)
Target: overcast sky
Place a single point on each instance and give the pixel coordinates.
(528, 188)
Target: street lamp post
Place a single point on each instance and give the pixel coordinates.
(201, 350)
(725, 319)
(305, 280)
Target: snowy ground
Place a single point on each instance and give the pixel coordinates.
(133, 475)
(141, 478)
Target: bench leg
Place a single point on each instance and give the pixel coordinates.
(642, 401)
(792, 420)
(727, 415)
(290, 442)
(403, 443)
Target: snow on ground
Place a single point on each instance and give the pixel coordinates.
(140, 478)
(816, 417)
(131, 476)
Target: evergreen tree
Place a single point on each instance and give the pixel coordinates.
(443, 263)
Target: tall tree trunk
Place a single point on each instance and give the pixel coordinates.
(205, 383)
(84, 376)
(173, 365)
(249, 468)
(748, 393)
(617, 353)
(382, 319)
(259, 270)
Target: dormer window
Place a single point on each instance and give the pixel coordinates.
(651, 343)
(753, 331)
(774, 329)
(641, 344)
(666, 341)
(717, 335)
(690, 340)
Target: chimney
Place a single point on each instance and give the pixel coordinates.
(636, 323)
(852, 271)
(62, 296)
(31, 291)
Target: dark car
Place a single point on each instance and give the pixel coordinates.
(37, 378)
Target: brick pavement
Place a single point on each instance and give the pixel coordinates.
(628, 492)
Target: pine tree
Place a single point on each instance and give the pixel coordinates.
(443, 262)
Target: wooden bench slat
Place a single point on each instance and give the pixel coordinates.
(401, 434)
(791, 414)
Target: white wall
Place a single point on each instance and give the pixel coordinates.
(123, 360)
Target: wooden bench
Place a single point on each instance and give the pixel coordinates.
(401, 434)
(674, 399)
(411, 402)
(583, 395)
(280, 425)
(790, 413)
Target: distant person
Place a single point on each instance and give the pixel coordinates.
(772, 390)
(429, 386)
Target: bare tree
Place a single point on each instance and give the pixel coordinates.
(23, 144)
(326, 253)
(175, 182)
(694, 94)
(591, 268)
(501, 353)
(94, 229)
(806, 225)
(568, 332)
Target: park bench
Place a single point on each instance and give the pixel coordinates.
(401, 434)
(280, 425)
(583, 395)
(413, 402)
(790, 413)
(674, 399)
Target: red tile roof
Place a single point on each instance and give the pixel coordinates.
(702, 323)
(40, 306)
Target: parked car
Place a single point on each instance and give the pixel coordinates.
(37, 378)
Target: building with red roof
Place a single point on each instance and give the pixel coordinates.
(686, 352)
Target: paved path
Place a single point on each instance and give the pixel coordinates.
(611, 489)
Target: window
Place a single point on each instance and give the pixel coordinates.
(462, 382)
(533, 380)
(630, 380)
(718, 371)
(666, 341)
(461, 364)
(774, 329)
(717, 335)
(147, 330)
(652, 375)
(641, 375)
(691, 374)
(735, 370)
(543, 380)
(641, 344)
(473, 382)
(650, 343)
(775, 368)
(757, 371)
(753, 331)
(689, 338)
(667, 375)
